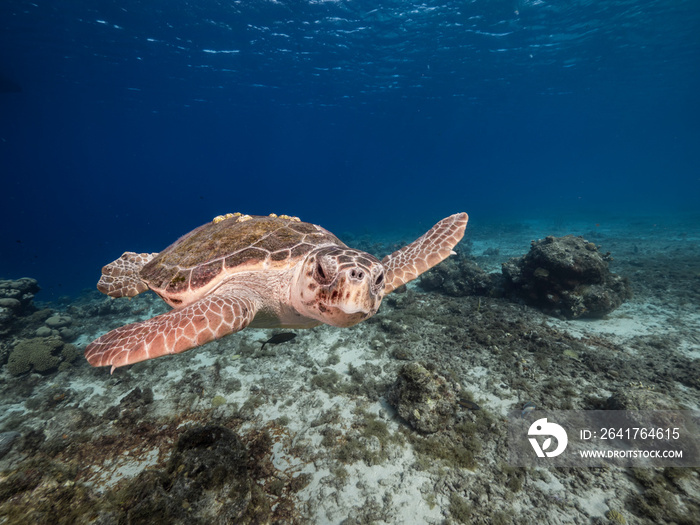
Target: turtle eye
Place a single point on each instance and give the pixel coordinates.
(379, 280)
(320, 272)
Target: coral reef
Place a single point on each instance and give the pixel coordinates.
(58, 325)
(40, 354)
(562, 276)
(16, 300)
(21, 321)
(425, 399)
(566, 277)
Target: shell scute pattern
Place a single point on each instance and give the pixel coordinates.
(306, 228)
(247, 255)
(219, 248)
(161, 276)
(301, 249)
(280, 255)
(204, 273)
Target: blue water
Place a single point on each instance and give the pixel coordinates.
(139, 120)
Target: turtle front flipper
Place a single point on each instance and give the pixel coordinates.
(121, 277)
(433, 247)
(209, 318)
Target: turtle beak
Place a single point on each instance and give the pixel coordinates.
(350, 309)
(360, 293)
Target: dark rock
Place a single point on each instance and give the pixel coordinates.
(567, 277)
(649, 409)
(460, 276)
(58, 321)
(425, 399)
(112, 413)
(21, 289)
(137, 398)
(10, 303)
(640, 399)
(132, 407)
(16, 300)
(6, 317)
(208, 464)
(7, 439)
(32, 441)
(20, 481)
(209, 456)
(68, 334)
(37, 317)
(43, 331)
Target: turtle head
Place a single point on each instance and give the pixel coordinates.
(339, 286)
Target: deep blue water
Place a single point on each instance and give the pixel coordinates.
(139, 120)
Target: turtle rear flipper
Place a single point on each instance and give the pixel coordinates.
(429, 249)
(210, 318)
(121, 277)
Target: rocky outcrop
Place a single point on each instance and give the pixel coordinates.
(562, 276)
(425, 399)
(567, 277)
(461, 276)
(16, 300)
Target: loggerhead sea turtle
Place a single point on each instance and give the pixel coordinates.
(268, 272)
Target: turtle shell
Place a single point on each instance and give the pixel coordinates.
(223, 247)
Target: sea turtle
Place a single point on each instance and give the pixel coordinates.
(260, 271)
